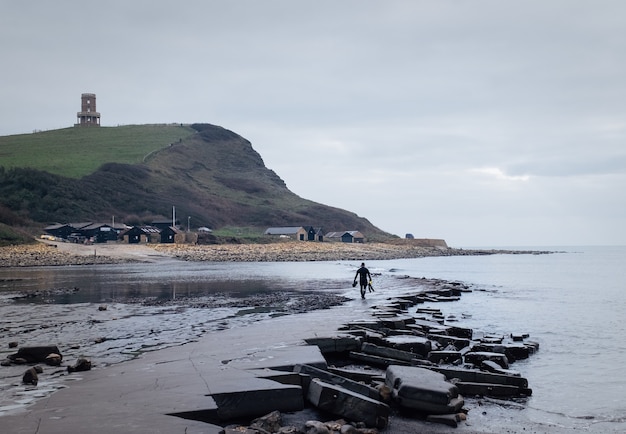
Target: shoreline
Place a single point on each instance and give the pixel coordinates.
(278, 333)
(47, 253)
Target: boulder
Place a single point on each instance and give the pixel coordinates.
(30, 377)
(81, 365)
(423, 390)
(350, 405)
(54, 359)
(35, 354)
(315, 427)
(270, 422)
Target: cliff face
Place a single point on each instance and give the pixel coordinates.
(213, 176)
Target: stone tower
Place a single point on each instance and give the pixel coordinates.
(88, 116)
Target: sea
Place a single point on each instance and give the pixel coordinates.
(570, 301)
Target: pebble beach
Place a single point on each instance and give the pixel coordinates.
(59, 254)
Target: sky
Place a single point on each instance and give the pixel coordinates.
(482, 122)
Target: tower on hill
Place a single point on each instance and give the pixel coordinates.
(88, 116)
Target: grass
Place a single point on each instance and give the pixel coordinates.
(75, 152)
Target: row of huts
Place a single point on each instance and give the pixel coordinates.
(89, 232)
(166, 232)
(311, 233)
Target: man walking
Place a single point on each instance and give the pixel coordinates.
(364, 277)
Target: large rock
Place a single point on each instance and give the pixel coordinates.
(347, 404)
(423, 390)
(30, 377)
(36, 354)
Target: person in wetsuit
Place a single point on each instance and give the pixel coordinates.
(364, 277)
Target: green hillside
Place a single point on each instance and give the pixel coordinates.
(76, 152)
(137, 174)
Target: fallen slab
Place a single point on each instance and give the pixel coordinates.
(347, 404)
(494, 390)
(481, 377)
(337, 380)
(423, 390)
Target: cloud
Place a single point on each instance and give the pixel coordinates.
(483, 122)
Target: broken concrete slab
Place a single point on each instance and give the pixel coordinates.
(445, 340)
(347, 404)
(390, 353)
(423, 390)
(378, 361)
(410, 343)
(477, 357)
(494, 390)
(481, 377)
(363, 375)
(445, 357)
(331, 378)
(335, 344)
(254, 402)
(490, 366)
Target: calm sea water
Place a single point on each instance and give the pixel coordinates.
(570, 302)
(573, 304)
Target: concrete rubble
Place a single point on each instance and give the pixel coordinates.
(414, 362)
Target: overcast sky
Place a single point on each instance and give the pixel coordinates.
(485, 123)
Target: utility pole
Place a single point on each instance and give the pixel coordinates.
(188, 223)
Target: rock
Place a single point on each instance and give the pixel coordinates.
(35, 354)
(30, 377)
(5, 362)
(315, 427)
(102, 307)
(13, 344)
(270, 422)
(81, 365)
(345, 403)
(54, 359)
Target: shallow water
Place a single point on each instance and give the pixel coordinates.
(568, 302)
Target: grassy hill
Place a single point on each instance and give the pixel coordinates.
(76, 152)
(138, 173)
